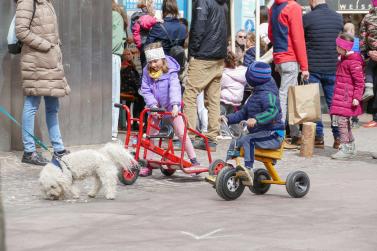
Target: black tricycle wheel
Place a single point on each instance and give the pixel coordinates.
(297, 184)
(258, 187)
(228, 186)
(167, 171)
(128, 177)
(216, 166)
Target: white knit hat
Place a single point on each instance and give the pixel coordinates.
(153, 54)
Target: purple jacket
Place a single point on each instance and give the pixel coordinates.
(165, 91)
(349, 85)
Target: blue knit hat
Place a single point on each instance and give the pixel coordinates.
(258, 73)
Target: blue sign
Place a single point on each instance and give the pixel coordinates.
(131, 5)
(249, 25)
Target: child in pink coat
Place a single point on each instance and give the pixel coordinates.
(348, 93)
(142, 22)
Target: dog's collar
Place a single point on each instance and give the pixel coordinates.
(56, 163)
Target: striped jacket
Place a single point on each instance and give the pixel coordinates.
(264, 106)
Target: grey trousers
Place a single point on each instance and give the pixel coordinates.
(288, 72)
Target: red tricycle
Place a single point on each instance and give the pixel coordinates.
(168, 161)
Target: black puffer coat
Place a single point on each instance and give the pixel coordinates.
(322, 26)
(208, 34)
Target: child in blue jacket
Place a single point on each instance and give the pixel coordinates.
(262, 113)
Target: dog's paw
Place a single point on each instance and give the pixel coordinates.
(92, 195)
(110, 196)
(76, 196)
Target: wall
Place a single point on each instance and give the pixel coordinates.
(85, 115)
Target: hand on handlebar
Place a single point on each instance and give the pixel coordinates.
(251, 122)
(154, 113)
(175, 111)
(223, 119)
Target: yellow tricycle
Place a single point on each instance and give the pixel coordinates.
(231, 180)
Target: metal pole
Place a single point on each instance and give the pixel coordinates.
(257, 31)
(232, 32)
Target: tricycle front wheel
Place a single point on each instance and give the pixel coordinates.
(228, 186)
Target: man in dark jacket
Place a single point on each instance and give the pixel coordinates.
(261, 112)
(322, 26)
(207, 50)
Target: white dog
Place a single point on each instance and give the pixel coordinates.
(103, 164)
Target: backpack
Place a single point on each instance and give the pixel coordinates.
(14, 45)
(177, 52)
(143, 33)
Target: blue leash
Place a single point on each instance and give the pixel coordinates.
(36, 139)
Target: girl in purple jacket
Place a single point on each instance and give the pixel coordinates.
(161, 89)
(348, 93)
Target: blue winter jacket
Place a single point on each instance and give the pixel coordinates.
(176, 31)
(264, 106)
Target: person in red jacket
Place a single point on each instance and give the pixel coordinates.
(286, 33)
(348, 94)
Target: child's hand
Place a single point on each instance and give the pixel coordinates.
(251, 122)
(154, 113)
(223, 119)
(175, 111)
(355, 102)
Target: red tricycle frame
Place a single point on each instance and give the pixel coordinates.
(168, 156)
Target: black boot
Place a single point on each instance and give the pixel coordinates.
(34, 158)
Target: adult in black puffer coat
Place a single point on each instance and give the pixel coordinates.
(322, 26)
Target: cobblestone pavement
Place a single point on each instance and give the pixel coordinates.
(185, 213)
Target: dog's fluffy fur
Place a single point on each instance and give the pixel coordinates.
(103, 164)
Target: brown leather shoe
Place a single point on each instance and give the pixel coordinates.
(319, 142)
(289, 146)
(336, 143)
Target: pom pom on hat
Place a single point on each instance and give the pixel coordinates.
(258, 73)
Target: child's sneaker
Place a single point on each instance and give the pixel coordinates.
(346, 151)
(194, 162)
(145, 172)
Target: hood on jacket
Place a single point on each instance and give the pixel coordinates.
(354, 56)
(221, 1)
(269, 86)
(238, 74)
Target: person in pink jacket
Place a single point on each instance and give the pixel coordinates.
(142, 22)
(233, 83)
(348, 94)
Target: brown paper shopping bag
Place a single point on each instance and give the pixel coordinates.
(304, 104)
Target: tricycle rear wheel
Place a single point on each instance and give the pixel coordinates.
(258, 187)
(216, 166)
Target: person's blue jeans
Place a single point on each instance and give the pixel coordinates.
(31, 105)
(327, 82)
